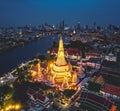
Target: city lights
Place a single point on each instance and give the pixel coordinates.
(10, 107)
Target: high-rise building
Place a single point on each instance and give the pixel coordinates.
(62, 25)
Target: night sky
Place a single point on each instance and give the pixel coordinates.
(35, 12)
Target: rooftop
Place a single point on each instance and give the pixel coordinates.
(111, 64)
(112, 89)
(95, 60)
(69, 51)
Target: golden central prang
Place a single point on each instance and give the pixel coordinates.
(61, 73)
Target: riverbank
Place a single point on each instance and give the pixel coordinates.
(12, 58)
(10, 43)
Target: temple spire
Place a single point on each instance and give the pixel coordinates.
(61, 57)
(61, 72)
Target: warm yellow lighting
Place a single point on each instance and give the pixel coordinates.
(51, 65)
(10, 106)
(7, 108)
(66, 104)
(13, 106)
(48, 52)
(17, 106)
(61, 71)
(33, 73)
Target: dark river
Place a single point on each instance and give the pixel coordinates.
(12, 58)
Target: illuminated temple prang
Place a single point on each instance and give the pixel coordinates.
(61, 74)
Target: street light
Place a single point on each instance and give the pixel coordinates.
(17, 107)
(51, 65)
(12, 107)
(7, 108)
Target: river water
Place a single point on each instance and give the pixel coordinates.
(12, 58)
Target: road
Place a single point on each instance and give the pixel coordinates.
(8, 78)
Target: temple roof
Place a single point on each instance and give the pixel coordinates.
(70, 51)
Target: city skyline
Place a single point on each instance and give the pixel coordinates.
(35, 12)
(59, 55)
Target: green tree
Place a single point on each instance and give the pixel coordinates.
(69, 92)
(94, 86)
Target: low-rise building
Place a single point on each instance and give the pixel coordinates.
(110, 68)
(93, 54)
(37, 98)
(112, 90)
(95, 101)
(111, 57)
(94, 63)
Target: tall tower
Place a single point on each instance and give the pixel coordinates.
(62, 25)
(61, 57)
(61, 71)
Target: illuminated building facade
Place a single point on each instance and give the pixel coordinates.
(60, 72)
